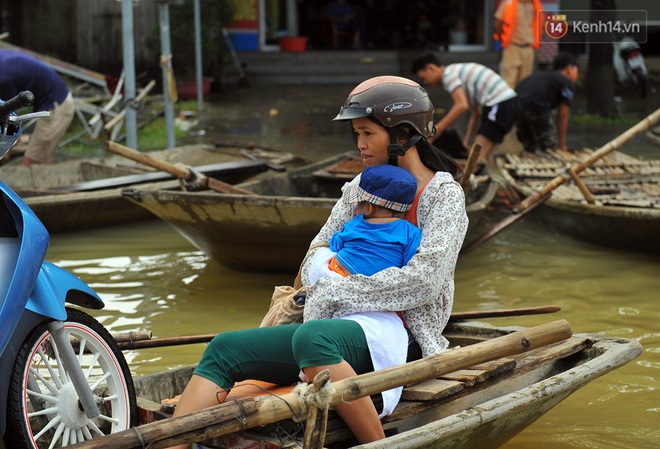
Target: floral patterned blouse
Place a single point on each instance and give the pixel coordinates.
(423, 290)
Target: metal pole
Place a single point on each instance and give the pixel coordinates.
(166, 64)
(198, 57)
(129, 73)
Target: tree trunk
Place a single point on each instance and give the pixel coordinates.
(600, 77)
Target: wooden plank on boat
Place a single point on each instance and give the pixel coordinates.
(432, 390)
(480, 373)
(122, 181)
(556, 351)
(454, 382)
(345, 169)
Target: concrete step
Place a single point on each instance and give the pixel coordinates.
(317, 67)
(336, 67)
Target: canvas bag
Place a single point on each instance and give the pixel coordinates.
(283, 308)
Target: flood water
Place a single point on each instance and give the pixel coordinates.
(153, 279)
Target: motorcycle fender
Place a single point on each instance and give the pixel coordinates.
(55, 287)
(636, 62)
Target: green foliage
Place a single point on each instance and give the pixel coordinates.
(152, 135)
(214, 13)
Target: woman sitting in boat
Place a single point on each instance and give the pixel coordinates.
(391, 119)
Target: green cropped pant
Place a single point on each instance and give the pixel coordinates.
(277, 354)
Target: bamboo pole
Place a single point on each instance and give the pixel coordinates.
(131, 336)
(583, 188)
(508, 221)
(457, 316)
(120, 116)
(222, 419)
(462, 316)
(470, 166)
(178, 171)
(163, 342)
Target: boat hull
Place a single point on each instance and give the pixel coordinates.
(260, 233)
(621, 228)
(269, 231)
(625, 216)
(78, 195)
(482, 415)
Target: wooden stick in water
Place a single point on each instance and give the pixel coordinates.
(174, 170)
(470, 166)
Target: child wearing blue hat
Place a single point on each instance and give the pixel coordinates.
(377, 237)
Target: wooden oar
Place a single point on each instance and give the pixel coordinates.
(127, 343)
(532, 201)
(470, 166)
(500, 313)
(175, 170)
(235, 416)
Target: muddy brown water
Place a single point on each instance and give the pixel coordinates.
(151, 278)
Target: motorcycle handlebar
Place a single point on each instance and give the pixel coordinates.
(25, 98)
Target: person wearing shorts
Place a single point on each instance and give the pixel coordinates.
(491, 101)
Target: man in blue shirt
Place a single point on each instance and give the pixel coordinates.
(19, 72)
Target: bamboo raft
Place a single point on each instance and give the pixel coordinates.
(614, 202)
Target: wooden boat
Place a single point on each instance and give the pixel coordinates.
(475, 402)
(271, 230)
(620, 206)
(86, 193)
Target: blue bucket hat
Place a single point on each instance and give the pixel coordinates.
(386, 186)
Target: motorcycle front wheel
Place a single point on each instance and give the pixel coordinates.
(44, 412)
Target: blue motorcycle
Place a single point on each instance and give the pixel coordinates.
(63, 379)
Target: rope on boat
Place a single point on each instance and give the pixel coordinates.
(241, 418)
(140, 439)
(320, 398)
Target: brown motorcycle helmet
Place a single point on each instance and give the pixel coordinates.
(392, 101)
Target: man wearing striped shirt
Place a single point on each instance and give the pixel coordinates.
(492, 103)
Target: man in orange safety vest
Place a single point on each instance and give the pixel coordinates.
(518, 24)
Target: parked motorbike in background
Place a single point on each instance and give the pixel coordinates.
(629, 66)
(63, 379)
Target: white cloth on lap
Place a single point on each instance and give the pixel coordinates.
(388, 344)
(319, 266)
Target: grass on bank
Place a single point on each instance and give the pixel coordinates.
(598, 120)
(151, 133)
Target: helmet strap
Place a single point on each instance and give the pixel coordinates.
(395, 150)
